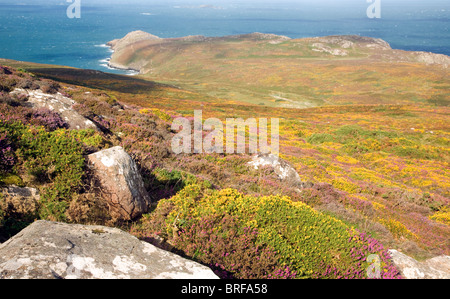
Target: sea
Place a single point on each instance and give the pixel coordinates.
(44, 32)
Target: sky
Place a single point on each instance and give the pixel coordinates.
(295, 2)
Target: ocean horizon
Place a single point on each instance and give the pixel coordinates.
(42, 32)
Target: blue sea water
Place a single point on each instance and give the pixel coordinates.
(40, 31)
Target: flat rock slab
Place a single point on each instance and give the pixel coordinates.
(52, 250)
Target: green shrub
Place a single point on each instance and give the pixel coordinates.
(416, 152)
(11, 179)
(89, 137)
(349, 131)
(355, 148)
(55, 156)
(229, 249)
(308, 243)
(318, 138)
(55, 159)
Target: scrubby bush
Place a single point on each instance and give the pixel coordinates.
(11, 79)
(12, 100)
(397, 229)
(162, 183)
(230, 249)
(305, 242)
(7, 158)
(16, 213)
(50, 87)
(90, 138)
(442, 216)
(318, 138)
(7, 83)
(5, 70)
(55, 159)
(28, 84)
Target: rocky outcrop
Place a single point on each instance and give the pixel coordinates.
(121, 184)
(131, 38)
(349, 41)
(432, 58)
(51, 250)
(319, 47)
(261, 36)
(435, 268)
(57, 103)
(284, 171)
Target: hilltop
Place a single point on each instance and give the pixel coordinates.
(277, 71)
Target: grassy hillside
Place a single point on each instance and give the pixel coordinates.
(279, 72)
(373, 147)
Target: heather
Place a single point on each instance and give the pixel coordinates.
(374, 178)
(290, 239)
(48, 119)
(6, 153)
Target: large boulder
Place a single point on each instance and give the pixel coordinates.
(435, 268)
(121, 183)
(51, 250)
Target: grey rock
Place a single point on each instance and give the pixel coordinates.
(121, 183)
(14, 191)
(435, 268)
(319, 47)
(51, 250)
(60, 104)
(284, 171)
(349, 41)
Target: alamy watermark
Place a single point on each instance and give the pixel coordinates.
(209, 136)
(374, 269)
(74, 9)
(374, 9)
